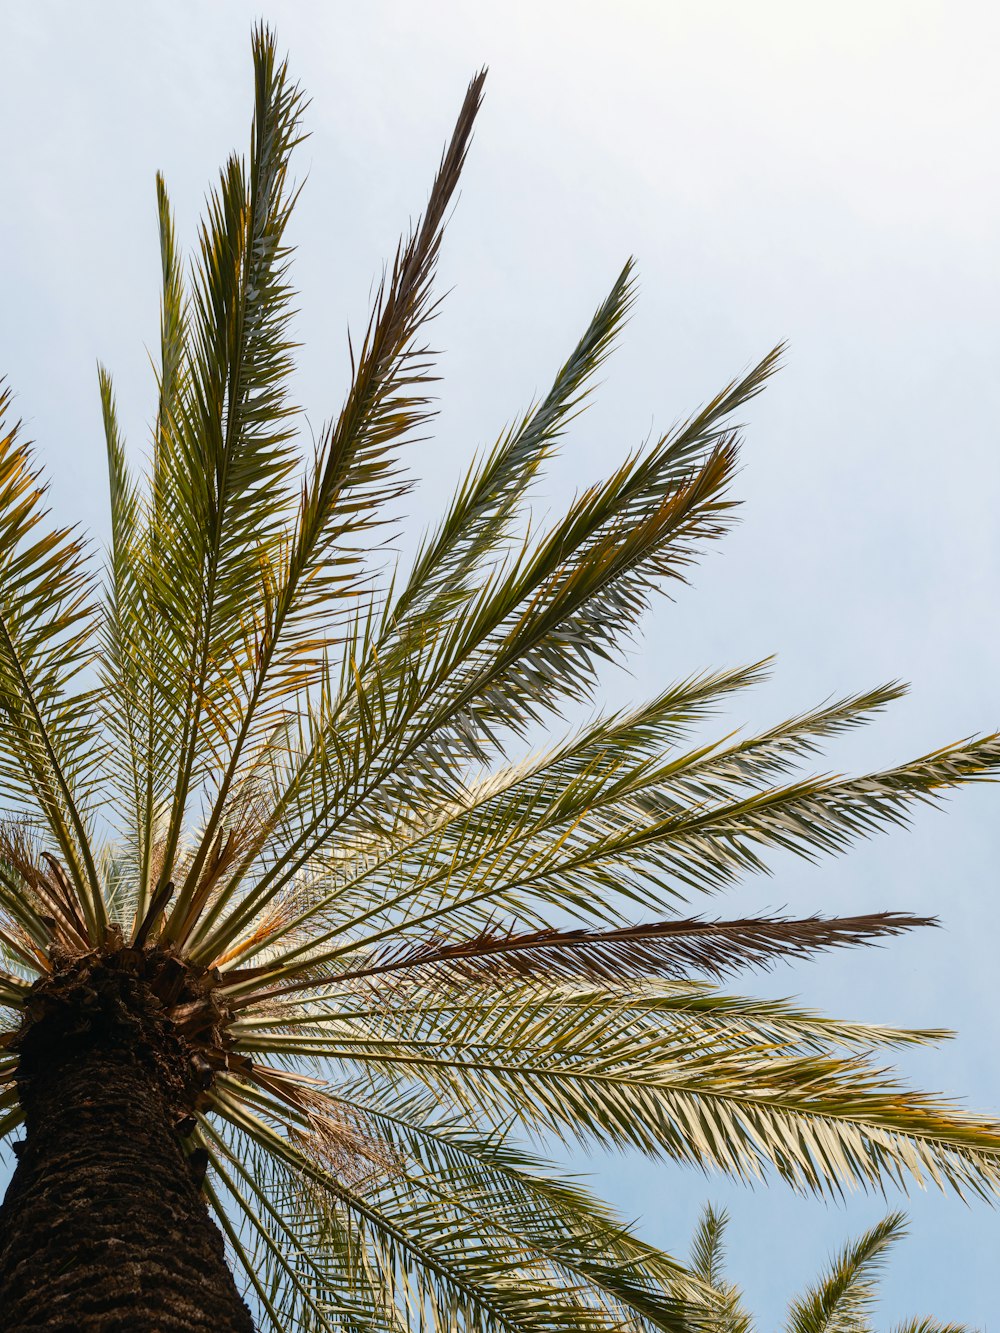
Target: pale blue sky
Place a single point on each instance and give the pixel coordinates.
(825, 175)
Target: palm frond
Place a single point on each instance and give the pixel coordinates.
(589, 855)
(844, 1299)
(224, 453)
(707, 1246)
(350, 483)
(479, 520)
(615, 957)
(930, 1326)
(49, 743)
(594, 1067)
(457, 1256)
(707, 1262)
(547, 619)
(146, 664)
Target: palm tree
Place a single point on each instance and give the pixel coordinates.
(296, 930)
(842, 1301)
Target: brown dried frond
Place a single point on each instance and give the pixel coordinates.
(278, 917)
(248, 821)
(156, 860)
(338, 1136)
(659, 949)
(355, 1158)
(17, 941)
(50, 893)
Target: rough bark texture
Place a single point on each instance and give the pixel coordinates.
(104, 1226)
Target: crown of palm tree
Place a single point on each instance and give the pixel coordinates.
(842, 1301)
(288, 794)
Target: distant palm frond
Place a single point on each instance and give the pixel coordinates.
(842, 1301)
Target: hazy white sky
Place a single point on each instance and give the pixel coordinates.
(825, 175)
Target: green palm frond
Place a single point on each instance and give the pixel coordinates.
(144, 671)
(707, 1263)
(481, 1255)
(707, 1247)
(352, 480)
(227, 449)
(596, 847)
(49, 743)
(843, 1300)
(615, 1069)
(930, 1326)
(480, 519)
(292, 792)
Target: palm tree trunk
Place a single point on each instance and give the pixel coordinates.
(104, 1226)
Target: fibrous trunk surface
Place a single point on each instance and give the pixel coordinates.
(104, 1226)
